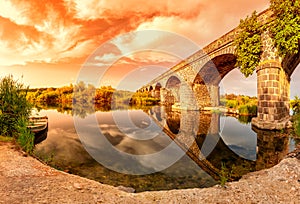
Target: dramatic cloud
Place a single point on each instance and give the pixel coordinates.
(60, 35)
(59, 30)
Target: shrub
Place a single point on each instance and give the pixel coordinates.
(13, 105)
(247, 110)
(231, 103)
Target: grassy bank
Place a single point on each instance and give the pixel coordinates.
(245, 105)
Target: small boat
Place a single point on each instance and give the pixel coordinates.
(39, 126)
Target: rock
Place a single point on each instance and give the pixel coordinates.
(77, 186)
(126, 189)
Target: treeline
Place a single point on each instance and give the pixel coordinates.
(246, 105)
(86, 94)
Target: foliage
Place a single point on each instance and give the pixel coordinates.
(296, 124)
(13, 105)
(248, 45)
(247, 110)
(25, 137)
(143, 98)
(245, 104)
(223, 101)
(244, 119)
(51, 96)
(231, 103)
(85, 96)
(295, 105)
(285, 28)
(6, 139)
(104, 95)
(225, 174)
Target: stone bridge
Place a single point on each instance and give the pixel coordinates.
(200, 136)
(194, 82)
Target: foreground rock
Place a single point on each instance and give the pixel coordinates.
(26, 180)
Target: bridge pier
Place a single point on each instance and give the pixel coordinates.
(203, 71)
(273, 93)
(214, 91)
(188, 99)
(166, 97)
(273, 89)
(207, 95)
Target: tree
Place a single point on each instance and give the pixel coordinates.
(295, 105)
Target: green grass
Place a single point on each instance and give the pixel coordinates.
(25, 137)
(6, 139)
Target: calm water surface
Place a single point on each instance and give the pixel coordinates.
(212, 143)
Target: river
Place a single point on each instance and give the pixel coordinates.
(157, 148)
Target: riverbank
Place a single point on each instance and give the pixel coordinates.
(24, 179)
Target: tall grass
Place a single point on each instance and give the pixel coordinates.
(14, 112)
(25, 138)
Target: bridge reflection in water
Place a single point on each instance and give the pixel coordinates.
(217, 146)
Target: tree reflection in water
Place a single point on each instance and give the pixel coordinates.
(271, 148)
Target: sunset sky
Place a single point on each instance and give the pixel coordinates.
(48, 42)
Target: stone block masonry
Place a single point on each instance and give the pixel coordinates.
(203, 71)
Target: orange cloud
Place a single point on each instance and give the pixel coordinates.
(64, 33)
(61, 30)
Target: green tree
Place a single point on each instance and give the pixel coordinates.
(285, 28)
(295, 105)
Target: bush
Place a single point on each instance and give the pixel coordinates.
(247, 110)
(231, 103)
(13, 105)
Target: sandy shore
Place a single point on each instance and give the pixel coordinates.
(24, 179)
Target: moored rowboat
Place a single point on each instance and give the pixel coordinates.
(38, 124)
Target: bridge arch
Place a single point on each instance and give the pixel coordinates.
(158, 86)
(207, 80)
(156, 90)
(273, 77)
(172, 94)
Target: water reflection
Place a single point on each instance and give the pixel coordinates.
(40, 136)
(64, 150)
(209, 140)
(272, 147)
(173, 120)
(225, 141)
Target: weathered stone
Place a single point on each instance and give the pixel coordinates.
(202, 72)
